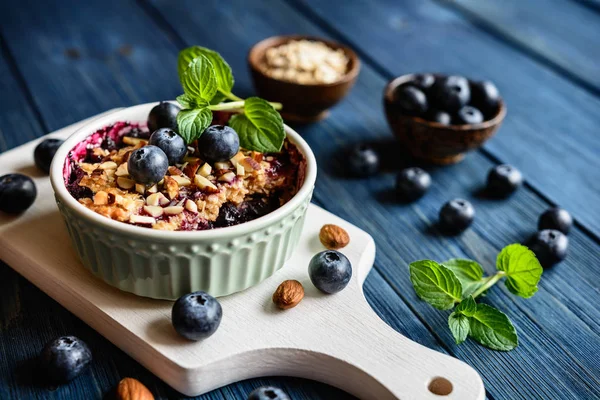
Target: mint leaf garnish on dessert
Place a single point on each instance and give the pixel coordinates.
(459, 282)
(261, 126)
(207, 82)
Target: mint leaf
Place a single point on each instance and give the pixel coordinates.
(493, 329)
(467, 307)
(199, 80)
(260, 128)
(192, 123)
(468, 272)
(223, 74)
(459, 326)
(435, 284)
(186, 101)
(522, 268)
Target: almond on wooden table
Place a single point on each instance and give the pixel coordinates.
(132, 389)
(333, 237)
(288, 294)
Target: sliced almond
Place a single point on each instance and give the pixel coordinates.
(191, 206)
(258, 157)
(172, 187)
(237, 158)
(134, 141)
(101, 198)
(181, 180)
(152, 189)
(250, 164)
(205, 170)
(191, 169)
(141, 189)
(122, 170)
(204, 183)
(227, 177)
(222, 165)
(157, 199)
(125, 183)
(174, 171)
(155, 211)
(108, 165)
(173, 210)
(191, 159)
(142, 219)
(240, 169)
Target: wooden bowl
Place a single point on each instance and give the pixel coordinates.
(434, 142)
(301, 103)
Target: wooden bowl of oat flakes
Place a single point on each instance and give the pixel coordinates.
(307, 74)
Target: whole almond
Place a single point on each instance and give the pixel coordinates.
(132, 389)
(333, 237)
(288, 294)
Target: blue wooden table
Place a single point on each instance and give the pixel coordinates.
(62, 61)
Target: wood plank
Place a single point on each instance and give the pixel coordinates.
(550, 132)
(565, 33)
(358, 118)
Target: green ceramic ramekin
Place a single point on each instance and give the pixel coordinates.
(167, 265)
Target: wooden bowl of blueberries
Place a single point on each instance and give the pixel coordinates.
(438, 118)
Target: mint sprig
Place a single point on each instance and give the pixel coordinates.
(207, 81)
(456, 283)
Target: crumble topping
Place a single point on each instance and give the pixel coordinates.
(193, 195)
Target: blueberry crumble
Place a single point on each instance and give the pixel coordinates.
(124, 173)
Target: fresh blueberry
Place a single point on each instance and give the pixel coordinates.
(268, 393)
(556, 218)
(218, 143)
(456, 216)
(44, 153)
(485, 95)
(451, 93)
(423, 81)
(330, 271)
(196, 316)
(164, 115)
(469, 115)
(148, 164)
(412, 101)
(503, 180)
(363, 160)
(412, 183)
(441, 117)
(170, 142)
(17, 193)
(550, 246)
(63, 359)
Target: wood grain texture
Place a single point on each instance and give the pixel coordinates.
(549, 118)
(564, 33)
(558, 331)
(322, 339)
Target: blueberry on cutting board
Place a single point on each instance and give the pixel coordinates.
(164, 115)
(550, 247)
(17, 193)
(556, 218)
(456, 216)
(330, 271)
(196, 316)
(44, 153)
(64, 358)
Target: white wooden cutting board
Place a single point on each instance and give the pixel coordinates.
(336, 339)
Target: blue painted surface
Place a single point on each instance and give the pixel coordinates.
(66, 62)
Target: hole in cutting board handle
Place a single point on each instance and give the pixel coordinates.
(440, 386)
